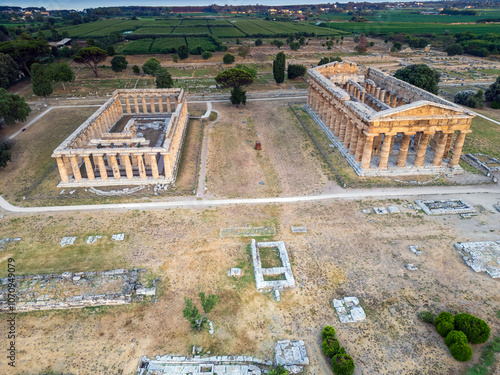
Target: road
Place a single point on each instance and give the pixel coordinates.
(493, 192)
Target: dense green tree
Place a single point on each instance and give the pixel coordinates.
(228, 58)
(238, 96)
(296, 71)
(258, 42)
(206, 55)
(110, 50)
(25, 50)
(4, 153)
(119, 63)
(418, 42)
(61, 72)
(397, 46)
(492, 94)
(236, 79)
(302, 40)
(248, 69)
(40, 80)
(294, 46)
(191, 312)
(421, 76)
(12, 107)
(277, 43)
(136, 69)
(455, 49)
(164, 79)
(8, 70)
(175, 57)
(151, 66)
(91, 57)
(470, 98)
(342, 364)
(279, 65)
(183, 52)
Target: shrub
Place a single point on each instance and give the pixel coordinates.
(455, 49)
(296, 71)
(454, 337)
(183, 52)
(328, 331)
(136, 69)
(228, 58)
(118, 63)
(342, 364)
(476, 330)
(151, 66)
(206, 55)
(330, 346)
(258, 42)
(461, 351)
(442, 317)
(495, 104)
(426, 317)
(444, 328)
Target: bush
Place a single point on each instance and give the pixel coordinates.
(228, 58)
(454, 337)
(118, 63)
(183, 52)
(151, 66)
(444, 328)
(296, 71)
(136, 69)
(342, 364)
(330, 346)
(476, 330)
(206, 55)
(426, 317)
(455, 49)
(442, 317)
(495, 104)
(258, 42)
(461, 351)
(328, 331)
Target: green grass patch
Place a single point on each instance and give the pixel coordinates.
(270, 257)
(485, 138)
(488, 359)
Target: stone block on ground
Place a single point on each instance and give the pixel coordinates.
(118, 237)
(482, 256)
(67, 241)
(349, 310)
(234, 272)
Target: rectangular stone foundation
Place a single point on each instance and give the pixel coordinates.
(392, 169)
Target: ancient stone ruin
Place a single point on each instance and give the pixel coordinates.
(292, 355)
(285, 270)
(247, 232)
(385, 126)
(481, 256)
(349, 310)
(445, 207)
(135, 138)
(76, 290)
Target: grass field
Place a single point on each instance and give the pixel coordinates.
(137, 47)
(485, 138)
(154, 30)
(409, 28)
(163, 45)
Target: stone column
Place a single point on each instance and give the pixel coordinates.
(62, 169)
(152, 101)
(142, 168)
(144, 106)
(336, 125)
(448, 145)
(422, 148)
(376, 144)
(127, 103)
(367, 151)
(385, 151)
(403, 149)
(169, 105)
(363, 96)
(457, 148)
(167, 167)
(89, 168)
(377, 93)
(348, 131)
(113, 163)
(75, 168)
(154, 166)
(394, 101)
(160, 104)
(360, 144)
(136, 105)
(439, 150)
(342, 130)
(354, 140)
(128, 166)
(102, 166)
(382, 96)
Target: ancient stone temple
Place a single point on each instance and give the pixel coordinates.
(385, 126)
(135, 138)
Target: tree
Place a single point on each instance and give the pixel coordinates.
(191, 312)
(455, 49)
(4, 153)
(151, 66)
(296, 71)
(236, 79)
(277, 43)
(40, 81)
(327, 60)
(206, 55)
(421, 76)
(294, 46)
(12, 107)
(119, 63)
(228, 58)
(418, 42)
(248, 69)
(110, 51)
(136, 69)
(8, 71)
(25, 50)
(164, 79)
(243, 51)
(258, 42)
(302, 40)
(91, 57)
(61, 72)
(470, 98)
(362, 45)
(492, 94)
(279, 67)
(183, 52)
(175, 57)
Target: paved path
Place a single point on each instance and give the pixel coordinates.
(193, 202)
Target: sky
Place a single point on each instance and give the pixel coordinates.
(81, 4)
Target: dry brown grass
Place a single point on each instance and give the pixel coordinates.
(343, 253)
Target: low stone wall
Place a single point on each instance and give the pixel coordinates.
(75, 290)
